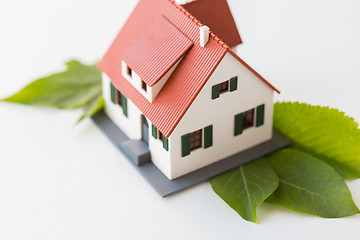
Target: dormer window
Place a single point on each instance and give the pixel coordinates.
(128, 71)
(143, 86)
(153, 56)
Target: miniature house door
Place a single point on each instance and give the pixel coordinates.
(144, 130)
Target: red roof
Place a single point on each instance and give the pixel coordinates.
(156, 50)
(189, 77)
(216, 14)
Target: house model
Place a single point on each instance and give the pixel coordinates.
(172, 82)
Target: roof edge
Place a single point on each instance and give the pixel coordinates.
(172, 65)
(168, 134)
(252, 70)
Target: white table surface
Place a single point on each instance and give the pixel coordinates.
(63, 182)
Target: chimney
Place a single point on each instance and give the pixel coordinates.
(204, 35)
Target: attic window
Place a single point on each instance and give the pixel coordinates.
(128, 71)
(224, 87)
(143, 85)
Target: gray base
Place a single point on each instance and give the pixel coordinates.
(162, 184)
(137, 151)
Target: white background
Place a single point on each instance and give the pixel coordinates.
(58, 181)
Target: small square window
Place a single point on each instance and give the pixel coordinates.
(196, 140)
(248, 119)
(224, 87)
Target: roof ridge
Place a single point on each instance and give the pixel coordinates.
(189, 2)
(199, 24)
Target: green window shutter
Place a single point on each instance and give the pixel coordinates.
(233, 84)
(215, 91)
(208, 136)
(112, 92)
(185, 145)
(154, 131)
(124, 105)
(260, 112)
(239, 124)
(165, 143)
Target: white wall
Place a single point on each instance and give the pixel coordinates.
(159, 156)
(136, 81)
(220, 112)
(130, 125)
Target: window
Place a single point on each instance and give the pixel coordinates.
(143, 85)
(164, 140)
(224, 87)
(160, 135)
(118, 98)
(229, 85)
(243, 121)
(128, 71)
(196, 140)
(248, 119)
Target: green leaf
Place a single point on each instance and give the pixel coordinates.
(96, 105)
(324, 133)
(246, 187)
(78, 87)
(309, 185)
